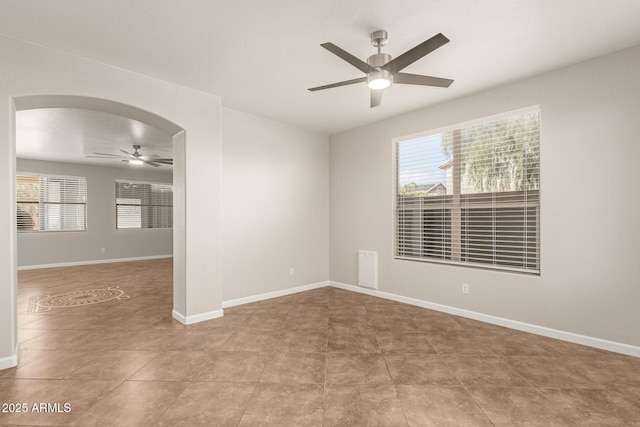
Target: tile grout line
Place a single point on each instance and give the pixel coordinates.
(393, 383)
(326, 364)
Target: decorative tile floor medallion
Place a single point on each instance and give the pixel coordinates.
(75, 299)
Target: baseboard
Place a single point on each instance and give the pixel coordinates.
(613, 346)
(275, 294)
(90, 262)
(196, 318)
(10, 361)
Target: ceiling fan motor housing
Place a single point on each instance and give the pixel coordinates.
(378, 59)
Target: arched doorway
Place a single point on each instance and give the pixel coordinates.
(180, 303)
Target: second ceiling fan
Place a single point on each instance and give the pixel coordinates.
(382, 71)
(135, 158)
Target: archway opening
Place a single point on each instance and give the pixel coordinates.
(177, 135)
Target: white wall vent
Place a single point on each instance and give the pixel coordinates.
(368, 269)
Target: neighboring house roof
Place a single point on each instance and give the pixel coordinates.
(430, 187)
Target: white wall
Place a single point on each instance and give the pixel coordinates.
(29, 70)
(275, 206)
(46, 248)
(590, 203)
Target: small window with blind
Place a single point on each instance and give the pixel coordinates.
(51, 203)
(470, 194)
(142, 205)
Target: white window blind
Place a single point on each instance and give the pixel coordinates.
(51, 203)
(143, 205)
(470, 194)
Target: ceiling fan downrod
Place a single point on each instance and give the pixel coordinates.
(379, 78)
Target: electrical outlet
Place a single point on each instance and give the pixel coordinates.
(291, 271)
(103, 250)
(465, 288)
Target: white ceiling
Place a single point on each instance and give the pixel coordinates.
(69, 135)
(261, 56)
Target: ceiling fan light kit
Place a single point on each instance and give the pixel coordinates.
(382, 70)
(379, 79)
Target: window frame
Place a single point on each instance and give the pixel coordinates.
(41, 203)
(116, 204)
(449, 128)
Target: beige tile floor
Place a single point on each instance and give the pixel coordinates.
(320, 358)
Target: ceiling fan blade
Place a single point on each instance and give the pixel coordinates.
(128, 154)
(358, 63)
(344, 83)
(106, 154)
(163, 161)
(412, 55)
(417, 79)
(147, 162)
(376, 97)
(104, 157)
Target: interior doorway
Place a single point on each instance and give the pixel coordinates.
(175, 135)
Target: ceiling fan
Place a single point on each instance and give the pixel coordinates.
(382, 71)
(135, 158)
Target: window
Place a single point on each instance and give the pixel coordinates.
(143, 205)
(51, 203)
(469, 194)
